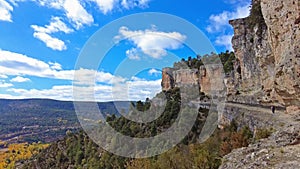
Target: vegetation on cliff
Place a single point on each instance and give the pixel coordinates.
(227, 59)
(79, 151)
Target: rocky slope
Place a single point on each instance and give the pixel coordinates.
(280, 150)
(267, 47)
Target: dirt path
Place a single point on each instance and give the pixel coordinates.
(263, 109)
(264, 112)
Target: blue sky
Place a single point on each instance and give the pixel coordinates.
(40, 41)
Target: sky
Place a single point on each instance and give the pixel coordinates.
(43, 45)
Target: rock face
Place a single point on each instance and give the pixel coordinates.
(282, 19)
(167, 82)
(211, 79)
(186, 77)
(267, 47)
(208, 78)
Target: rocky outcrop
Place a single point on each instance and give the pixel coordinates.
(267, 47)
(211, 79)
(167, 82)
(208, 78)
(184, 77)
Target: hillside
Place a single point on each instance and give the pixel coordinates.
(77, 150)
(33, 120)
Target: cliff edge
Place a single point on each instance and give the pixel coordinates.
(267, 47)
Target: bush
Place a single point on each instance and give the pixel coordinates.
(263, 133)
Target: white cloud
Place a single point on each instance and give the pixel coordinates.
(73, 9)
(77, 14)
(135, 89)
(53, 43)
(55, 65)
(56, 25)
(15, 64)
(20, 79)
(3, 84)
(5, 11)
(106, 5)
(133, 54)
(154, 72)
(128, 4)
(139, 89)
(151, 42)
(88, 84)
(3, 76)
(219, 22)
(43, 33)
(225, 40)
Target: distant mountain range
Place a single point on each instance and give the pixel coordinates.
(45, 120)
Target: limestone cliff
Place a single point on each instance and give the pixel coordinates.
(183, 77)
(167, 82)
(267, 47)
(203, 77)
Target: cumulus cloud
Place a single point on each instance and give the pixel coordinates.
(15, 64)
(51, 42)
(55, 65)
(154, 72)
(20, 79)
(219, 22)
(77, 14)
(56, 25)
(128, 4)
(73, 9)
(3, 76)
(88, 84)
(5, 11)
(133, 54)
(225, 40)
(134, 89)
(151, 42)
(43, 33)
(3, 84)
(106, 5)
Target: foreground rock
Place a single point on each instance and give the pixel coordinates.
(280, 150)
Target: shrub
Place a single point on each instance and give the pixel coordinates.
(263, 133)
